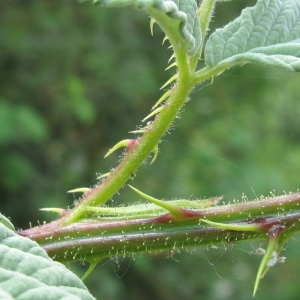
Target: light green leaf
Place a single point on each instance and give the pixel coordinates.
(7, 223)
(26, 272)
(5, 295)
(267, 34)
(181, 14)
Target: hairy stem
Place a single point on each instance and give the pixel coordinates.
(94, 239)
(138, 153)
(144, 145)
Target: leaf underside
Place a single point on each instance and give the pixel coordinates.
(26, 272)
(6, 222)
(267, 34)
(183, 12)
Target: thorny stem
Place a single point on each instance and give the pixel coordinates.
(75, 236)
(94, 239)
(144, 145)
(137, 154)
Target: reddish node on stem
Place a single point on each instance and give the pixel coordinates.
(131, 144)
(275, 231)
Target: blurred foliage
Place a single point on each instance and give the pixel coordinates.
(75, 79)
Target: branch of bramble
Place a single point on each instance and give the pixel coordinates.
(247, 221)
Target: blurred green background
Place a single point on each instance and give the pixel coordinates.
(76, 78)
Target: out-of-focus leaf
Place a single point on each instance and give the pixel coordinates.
(16, 170)
(21, 122)
(79, 104)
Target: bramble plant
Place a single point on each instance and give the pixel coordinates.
(267, 34)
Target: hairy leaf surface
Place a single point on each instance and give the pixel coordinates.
(182, 14)
(26, 272)
(6, 222)
(267, 34)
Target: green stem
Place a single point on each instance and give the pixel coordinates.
(137, 154)
(144, 145)
(89, 241)
(205, 12)
(94, 239)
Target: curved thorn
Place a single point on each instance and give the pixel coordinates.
(170, 66)
(235, 227)
(155, 151)
(270, 257)
(79, 190)
(175, 211)
(91, 268)
(154, 112)
(138, 131)
(263, 267)
(142, 130)
(59, 211)
(172, 56)
(124, 143)
(104, 175)
(165, 38)
(152, 22)
(161, 99)
(170, 80)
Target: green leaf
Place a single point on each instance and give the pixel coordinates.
(182, 14)
(26, 272)
(7, 223)
(267, 34)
